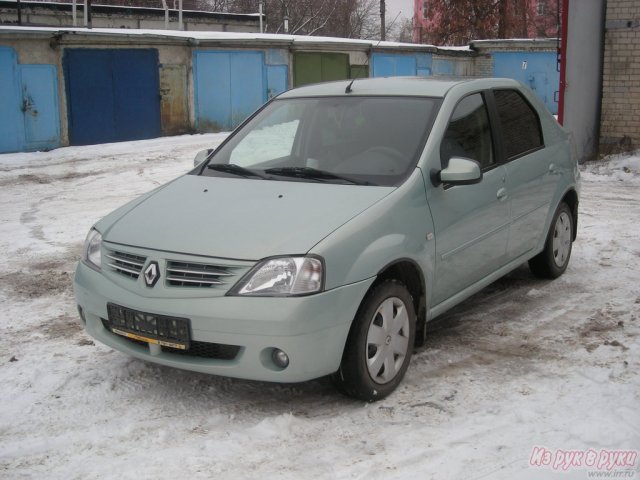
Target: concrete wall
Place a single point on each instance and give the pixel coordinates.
(582, 74)
(620, 118)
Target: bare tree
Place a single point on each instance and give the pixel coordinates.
(339, 18)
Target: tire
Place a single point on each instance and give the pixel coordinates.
(380, 343)
(553, 260)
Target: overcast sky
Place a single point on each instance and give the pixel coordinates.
(404, 7)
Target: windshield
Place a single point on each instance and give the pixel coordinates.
(351, 140)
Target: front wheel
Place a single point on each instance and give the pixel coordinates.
(380, 343)
(553, 260)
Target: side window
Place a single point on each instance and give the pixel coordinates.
(520, 123)
(469, 133)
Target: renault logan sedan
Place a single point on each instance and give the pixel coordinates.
(324, 233)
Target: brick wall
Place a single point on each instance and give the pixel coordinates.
(620, 117)
(484, 65)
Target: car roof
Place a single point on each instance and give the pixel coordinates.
(400, 86)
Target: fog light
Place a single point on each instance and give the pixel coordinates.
(280, 359)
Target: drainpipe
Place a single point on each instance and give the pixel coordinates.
(166, 14)
(180, 15)
(382, 25)
(19, 6)
(260, 13)
(74, 13)
(563, 59)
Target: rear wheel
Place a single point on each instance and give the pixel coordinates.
(553, 260)
(380, 343)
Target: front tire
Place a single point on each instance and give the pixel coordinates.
(553, 260)
(380, 343)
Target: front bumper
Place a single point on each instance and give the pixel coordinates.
(312, 330)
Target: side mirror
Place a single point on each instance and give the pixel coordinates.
(460, 171)
(201, 156)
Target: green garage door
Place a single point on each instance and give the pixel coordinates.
(315, 67)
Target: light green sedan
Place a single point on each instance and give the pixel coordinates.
(325, 232)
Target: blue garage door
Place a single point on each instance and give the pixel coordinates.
(11, 131)
(40, 106)
(537, 70)
(229, 87)
(29, 117)
(112, 95)
(394, 65)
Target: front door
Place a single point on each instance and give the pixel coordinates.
(471, 221)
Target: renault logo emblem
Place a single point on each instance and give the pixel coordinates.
(151, 274)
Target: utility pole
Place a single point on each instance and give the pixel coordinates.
(382, 26)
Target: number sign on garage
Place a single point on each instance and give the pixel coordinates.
(112, 95)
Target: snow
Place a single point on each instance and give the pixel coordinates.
(524, 363)
(219, 36)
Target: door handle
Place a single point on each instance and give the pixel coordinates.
(502, 194)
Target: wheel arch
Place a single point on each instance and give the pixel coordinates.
(571, 199)
(409, 273)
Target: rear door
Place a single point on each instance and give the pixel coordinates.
(531, 174)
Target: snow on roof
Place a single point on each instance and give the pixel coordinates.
(213, 36)
(464, 48)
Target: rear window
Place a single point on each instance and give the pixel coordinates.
(520, 123)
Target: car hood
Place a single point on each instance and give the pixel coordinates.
(238, 218)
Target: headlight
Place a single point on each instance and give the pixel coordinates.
(92, 244)
(282, 276)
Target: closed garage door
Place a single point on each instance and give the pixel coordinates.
(229, 86)
(112, 95)
(537, 70)
(316, 67)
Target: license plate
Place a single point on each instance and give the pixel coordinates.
(147, 327)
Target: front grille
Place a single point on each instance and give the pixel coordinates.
(201, 275)
(126, 264)
(216, 351)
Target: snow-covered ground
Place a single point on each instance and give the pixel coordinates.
(525, 363)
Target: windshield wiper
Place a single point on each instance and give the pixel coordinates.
(234, 169)
(313, 174)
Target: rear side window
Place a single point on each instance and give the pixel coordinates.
(520, 123)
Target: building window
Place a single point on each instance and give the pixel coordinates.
(542, 7)
(425, 9)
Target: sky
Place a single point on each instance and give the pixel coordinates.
(404, 7)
